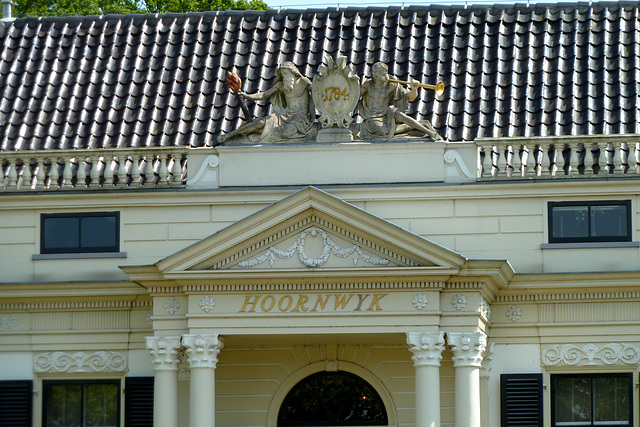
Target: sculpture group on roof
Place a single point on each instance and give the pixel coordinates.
(381, 104)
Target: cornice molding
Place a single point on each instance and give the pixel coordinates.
(306, 287)
(591, 354)
(78, 305)
(567, 296)
(98, 362)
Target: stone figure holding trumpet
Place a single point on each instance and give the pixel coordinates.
(383, 104)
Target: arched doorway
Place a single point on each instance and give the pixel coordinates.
(332, 399)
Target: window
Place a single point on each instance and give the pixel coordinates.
(80, 232)
(591, 400)
(81, 403)
(605, 221)
(332, 399)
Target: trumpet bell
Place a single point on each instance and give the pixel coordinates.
(439, 89)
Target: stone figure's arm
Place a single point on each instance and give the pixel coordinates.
(414, 90)
(259, 96)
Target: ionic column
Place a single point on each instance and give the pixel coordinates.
(203, 353)
(467, 348)
(427, 353)
(164, 351)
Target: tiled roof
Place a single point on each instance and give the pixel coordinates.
(159, 80)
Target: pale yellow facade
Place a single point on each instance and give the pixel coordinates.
(441, 250)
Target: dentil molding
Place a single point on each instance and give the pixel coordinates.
(591, 354)
(100, 361)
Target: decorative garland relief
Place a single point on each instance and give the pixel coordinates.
(100, 361)
(591, 354)
(329, 247)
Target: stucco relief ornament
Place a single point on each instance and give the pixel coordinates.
(172, 305)
(336, 91)
(467, 348)
(329, 247)
(419, 301)
(485, 308)
(9, 322)
(459, 301)
(426, 347)
(207, 303)
(591, 354)
(514, 313)
(100, 361)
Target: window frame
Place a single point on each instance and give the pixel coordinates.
(589, 239)
(116, 382)
(79, 249)
(627, 375)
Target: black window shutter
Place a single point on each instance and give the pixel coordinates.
(16, 403)
(521, 400)
(138, 405)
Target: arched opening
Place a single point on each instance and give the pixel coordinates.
(332, 399)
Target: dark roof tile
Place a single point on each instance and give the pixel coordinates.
(160, 79)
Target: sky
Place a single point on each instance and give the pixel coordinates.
(301, 4)
(317, 4)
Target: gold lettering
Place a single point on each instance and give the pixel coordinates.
(302, 300)
(341, 302)
(321, 303)
(288, 306)
(248, 302)
(333, 93)
(264, 300)
(376, 302)
(361, 297)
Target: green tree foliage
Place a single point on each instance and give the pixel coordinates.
(103, 7)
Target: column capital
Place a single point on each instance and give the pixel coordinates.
(164, 351)
(467, 348)
(426, 347)
(202, 350)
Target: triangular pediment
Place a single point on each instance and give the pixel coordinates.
(311, 230)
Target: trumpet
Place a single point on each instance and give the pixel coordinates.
(438, 87)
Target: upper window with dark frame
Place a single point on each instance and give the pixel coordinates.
(591, 400)
(603, 221)
(80, 232)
